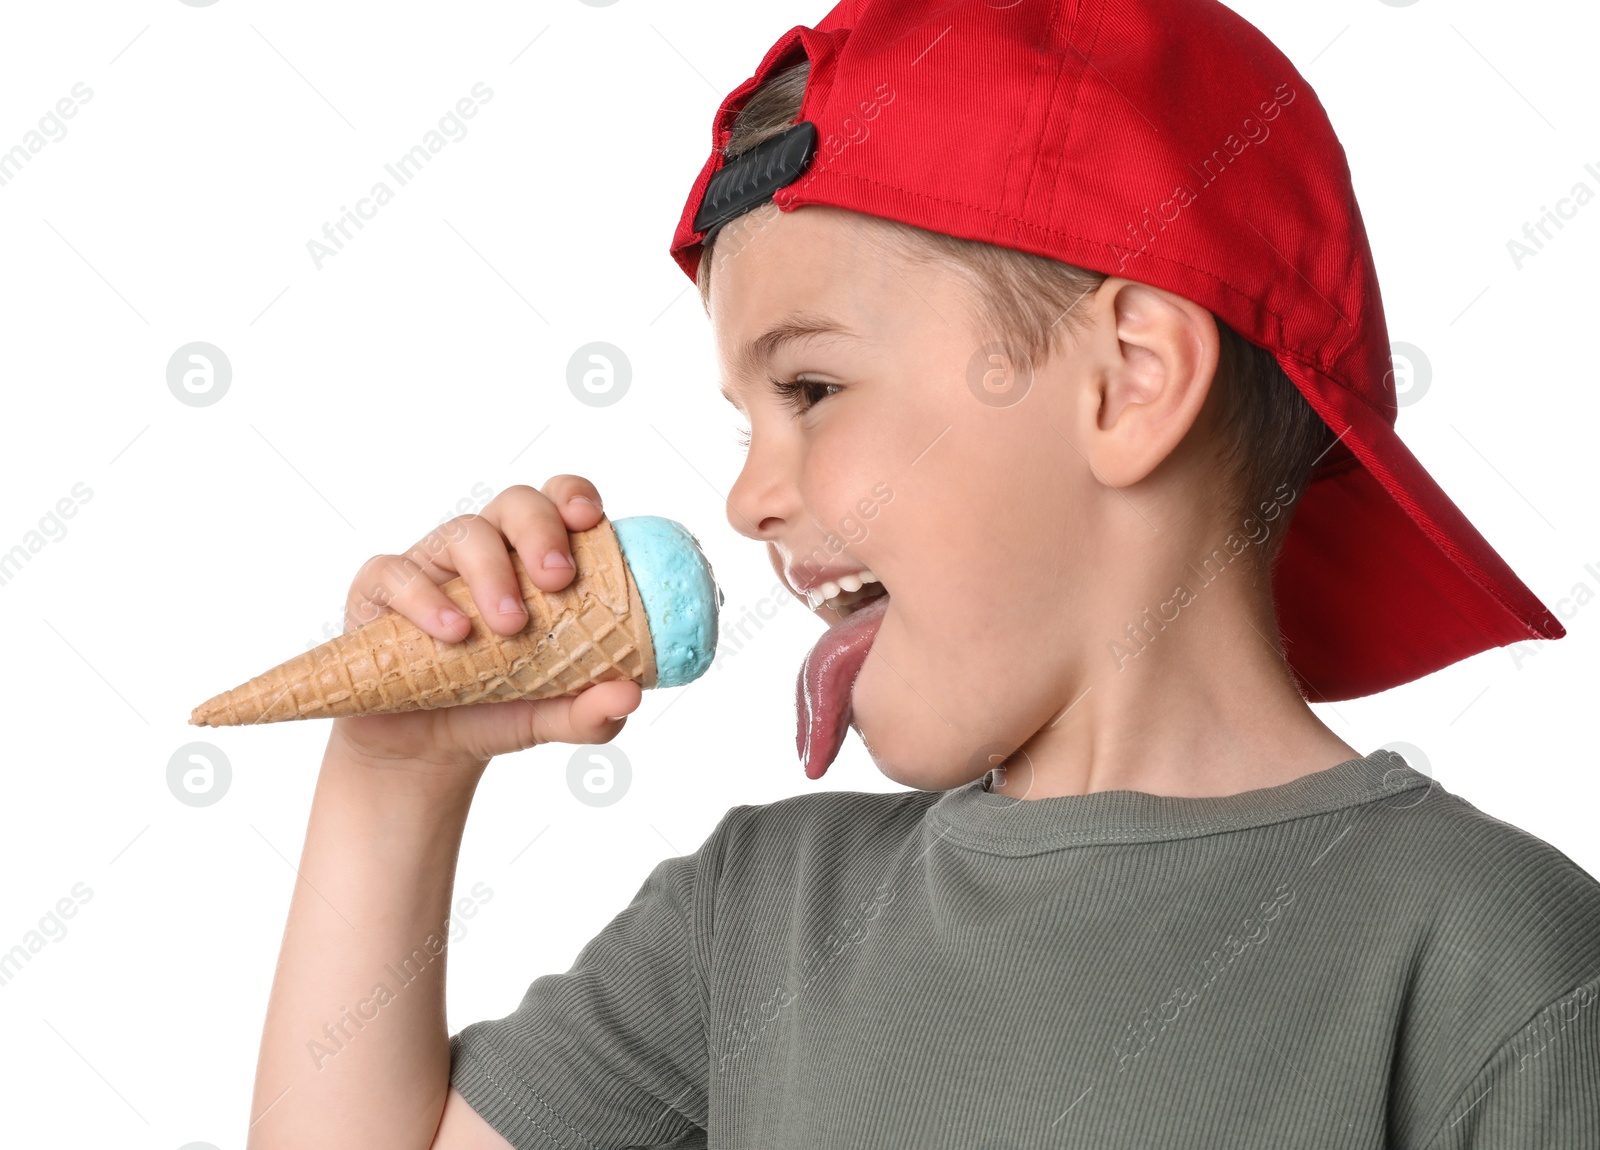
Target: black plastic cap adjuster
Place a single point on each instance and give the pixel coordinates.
(755, 176)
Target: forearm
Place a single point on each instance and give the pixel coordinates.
(355, 1049)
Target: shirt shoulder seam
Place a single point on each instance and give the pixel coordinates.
(1588, 992)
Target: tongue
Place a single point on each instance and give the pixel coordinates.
(827, 677)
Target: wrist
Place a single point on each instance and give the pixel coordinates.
(425, 786)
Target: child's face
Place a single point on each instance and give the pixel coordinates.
(979, 518)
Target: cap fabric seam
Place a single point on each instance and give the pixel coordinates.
(1016, 136)
(1077, 88)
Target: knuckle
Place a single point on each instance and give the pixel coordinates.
(371, 565)
(568, 485)
(535, 531)
(371, 582)
(452, 531)
(394, 578)
(536, 714)
(517, 495)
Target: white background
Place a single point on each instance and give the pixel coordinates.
(371, 396)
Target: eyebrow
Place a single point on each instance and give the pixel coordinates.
(792, 328)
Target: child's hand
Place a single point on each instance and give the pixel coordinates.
(453, 744)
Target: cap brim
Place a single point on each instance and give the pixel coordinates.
(1382, 579)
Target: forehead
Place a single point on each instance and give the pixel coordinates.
(752, 356)
(782, 278)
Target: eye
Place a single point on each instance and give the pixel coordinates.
(798, 392)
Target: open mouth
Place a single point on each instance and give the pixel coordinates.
(846, 602)
(852, 588)
(825, 687)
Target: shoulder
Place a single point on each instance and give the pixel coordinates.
(1486, 892)
(1495, 927)
(837, 816)
(1489, 883)
(818, 829)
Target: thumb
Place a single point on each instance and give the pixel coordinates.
(596, 715)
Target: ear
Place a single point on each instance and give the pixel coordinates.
(1154, 364)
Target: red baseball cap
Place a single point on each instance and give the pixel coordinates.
(1168, 142)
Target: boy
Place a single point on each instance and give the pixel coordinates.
(1138, 894)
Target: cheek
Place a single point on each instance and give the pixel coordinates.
(848, 483)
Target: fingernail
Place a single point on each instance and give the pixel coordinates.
(557, 559)
(584, 499)
(449, 618)
(614, 718)
(510, 605)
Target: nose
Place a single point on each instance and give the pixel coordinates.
(763, 497)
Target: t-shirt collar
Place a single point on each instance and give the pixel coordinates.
(982, 820)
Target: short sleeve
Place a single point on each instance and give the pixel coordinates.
(1540, 1090)
(612, 1052)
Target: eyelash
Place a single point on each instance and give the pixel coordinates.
(793, 393)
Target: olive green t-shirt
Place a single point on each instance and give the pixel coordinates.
(1355, 958)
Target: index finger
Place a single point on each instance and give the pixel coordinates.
(577, 499)
(536, 524)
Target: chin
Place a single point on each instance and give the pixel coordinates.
(920, 777)
(911, 768)
(907, 742)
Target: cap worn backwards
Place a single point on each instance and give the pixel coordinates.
(1171, 143)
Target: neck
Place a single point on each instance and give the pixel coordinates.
(1196, 711)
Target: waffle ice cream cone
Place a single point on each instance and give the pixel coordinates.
(592, 631)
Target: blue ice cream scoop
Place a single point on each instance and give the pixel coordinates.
(680, 595)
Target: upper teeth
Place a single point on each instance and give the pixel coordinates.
(829, 591)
